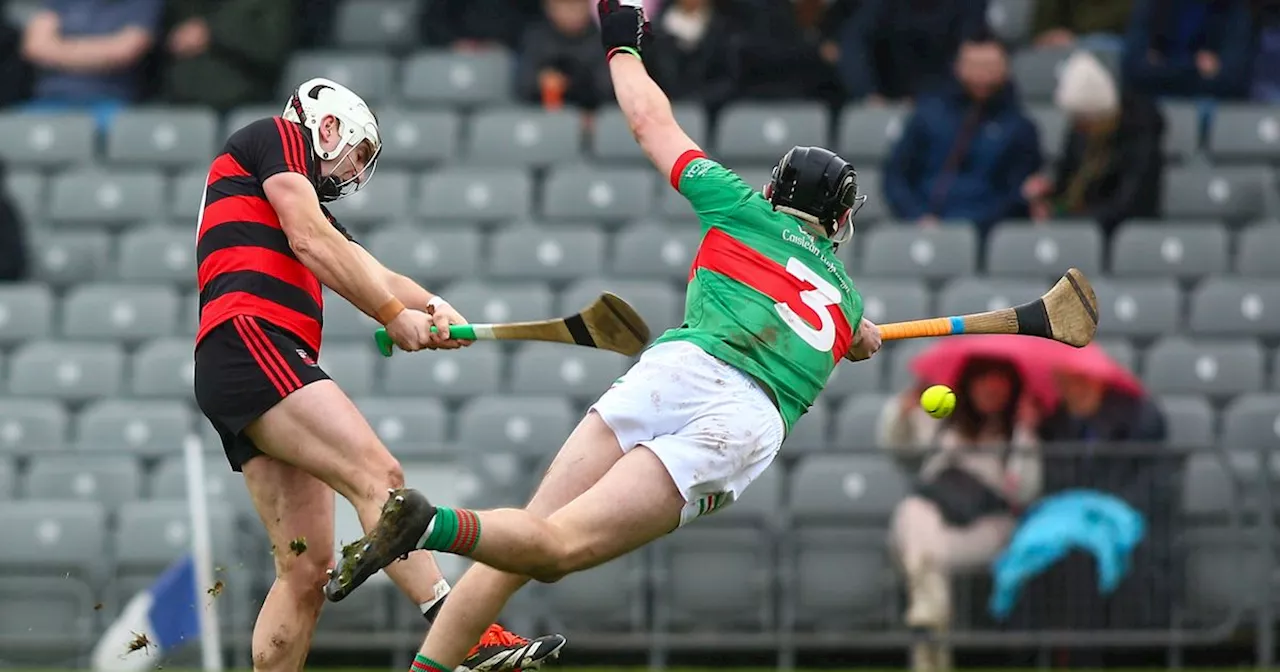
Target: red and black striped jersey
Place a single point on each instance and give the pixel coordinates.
(245, 265)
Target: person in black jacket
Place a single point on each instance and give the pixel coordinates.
(476, 24)
(695, 60)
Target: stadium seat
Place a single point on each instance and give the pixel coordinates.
(438, 253)
(612, 140)
(108, 480)
(1030, 250)
(857, 421)
(95, 197)
(1036, 70)
(551, 252)
(53, 537)
(29, 191)
(1244, 134)
(598, 193)
(1202, 192)
(720, 579)
(31, 425)
(867, 134)
(452, 78)
(186, 193)
(157, 254)
(661, 306)
(1236, 307)
(500, 302)
(350, 365)
(68, 371)
(763, 132)
(376, 24)
(875, 209)
(654, 250)
(120, 312)
(612, 597)
(190, 320)
(225, 489)
(1011, 20)
(855, 378)
(47, 140)
(1208, 492)
(554, 368)
(1224, 569)
(370, 74)
(524, 136)
(975, 295)
(26, 312)
(1165, 249)
(1256, 250)
(386, 198)
(1122, 351)
(1217, 368)
(1138, 308)
(448, 373)
(1051, 124)
(241, 116)
(1181, 130)
(908, 251)
(163, 136)
(810, 432)
(761, 505)
(1252, 423)
(472, 194)
(343, 321)
(139, 427)
(8, 480)
(152, 534)
(414, 138)
(515, 424)
(900, 354)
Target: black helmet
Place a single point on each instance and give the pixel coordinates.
(816, 184)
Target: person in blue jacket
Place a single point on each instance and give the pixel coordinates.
(1190, 48)
(967, 149)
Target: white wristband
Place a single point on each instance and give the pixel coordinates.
(436, 302)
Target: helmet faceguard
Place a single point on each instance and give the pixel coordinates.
(318, 98)
(818, 187)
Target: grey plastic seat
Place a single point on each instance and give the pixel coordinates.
(611, 597)
(867, 133)
(29, 191)
(370, 74)
(95, 197)
(8, 480)
(448, 373)
(122, 312)
(899, 375)
(443, 253)
(1036, 70)
(658, 303)
(1051, 124)
(163, 136)
(717, 579)
(1181, 129)
(406, 425)
(26, 312)
(32, 424)
(856, 421)
(763, 132)
(1029, 251)
(1223, 572)
(546, 252)
(553, 368)
(974, 295)
(898, 251)
(855, 378)
(109, 480)
(483, 302)
(524, 136)
(612, 141)
(841, 579)
(47, 140)
(1207, 490)
(1011, 20)
(343, 321)
(598, 193)
(352, 365)
(1245, 133)
(1188, 420)
(52, 537)
(893, 299)
(418, 137)
(139, 427)
(854, 490)
(1255, 250)
(515, 424)
(243, 115)
(376, 24)
(1122, 351)
(472, 194)
(1165, 249)
(1218, 368)
(1252, 423)
(157, 254)
(809, 432)
(46, 620)
(1236, 307)
(1138, 307)
(655, 250)
(186, 193)
(163, 369)
(452, 78)
(1201, 192)
(875, 209)
(68, 371)
(152, 534)
(221, 485)
(385, 198)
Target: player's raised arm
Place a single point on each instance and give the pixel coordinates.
(624, 30)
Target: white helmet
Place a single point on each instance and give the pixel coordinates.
(318, 98)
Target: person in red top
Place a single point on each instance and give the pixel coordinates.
(265, 245)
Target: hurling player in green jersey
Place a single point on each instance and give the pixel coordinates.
(770, 312)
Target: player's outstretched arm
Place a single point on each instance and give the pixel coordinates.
(624, 30)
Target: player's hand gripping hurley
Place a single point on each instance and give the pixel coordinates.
(609, 323)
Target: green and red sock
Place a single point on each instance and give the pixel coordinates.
(422, 663)
(455, 531)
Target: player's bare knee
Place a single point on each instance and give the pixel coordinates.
(303, 568)
(565, 555)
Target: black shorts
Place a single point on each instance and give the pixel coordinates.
(244, 367)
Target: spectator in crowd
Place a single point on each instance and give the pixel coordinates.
(89, 53)
(966, 151)
(696, 59)
(13, 247)
(560, 59)
(16, 74)
(1089, 24)
(1189, 48)
(1265, 84)
(983, 468)
(901, 49)
(476, 24)
(224, 54)
(790, 50)
(1112, 161)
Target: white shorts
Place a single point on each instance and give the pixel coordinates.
(712, 426)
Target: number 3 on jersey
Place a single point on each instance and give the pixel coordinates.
(823, 299)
